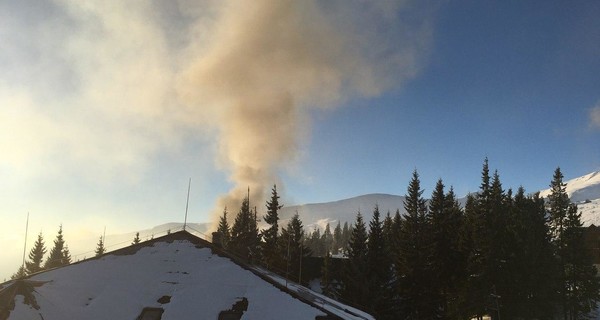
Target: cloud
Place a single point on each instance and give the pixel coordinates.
(98, 89)
(595, 116)
(266, 63)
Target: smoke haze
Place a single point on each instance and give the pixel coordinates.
(267, 63)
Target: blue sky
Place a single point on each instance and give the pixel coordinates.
(102, 120)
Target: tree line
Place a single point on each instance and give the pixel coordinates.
(59, 256)
(505, 254)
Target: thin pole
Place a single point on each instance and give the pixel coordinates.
(104, 237)
(186, 204)
(25, 246)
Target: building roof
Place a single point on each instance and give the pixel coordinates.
(184, 276)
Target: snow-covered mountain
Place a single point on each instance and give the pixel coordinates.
(585, 192)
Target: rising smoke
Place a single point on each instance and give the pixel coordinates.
(267, 63)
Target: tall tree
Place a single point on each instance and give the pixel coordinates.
(337, 239)
(36, 256)
(581, 283)
(57, 257)
(378, 268)
(136, 239)
(270, 250)
(292, 248)
(244, 233)
(415, 282)
(100, 249)
(224, 230)
(356, 286)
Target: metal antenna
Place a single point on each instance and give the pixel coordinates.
(186, 204)
(25, 246)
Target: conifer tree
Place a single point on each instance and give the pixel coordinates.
(100, 247)
(244, 233)
(20, 274)
(327, 240)
(223, 229)
(356, 286)
(57, 257)
(292, 248)
(66, 259)
(581, 283)
(337, 239)
(535, 271)
(326, 280)
(270, 250)
(445, 218)
(378, 268)
(415, 283)
(36, 256)
(136, 239)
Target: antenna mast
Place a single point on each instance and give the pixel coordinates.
(186, 204)
(25, 246)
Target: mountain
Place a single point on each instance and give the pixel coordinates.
(585, 192)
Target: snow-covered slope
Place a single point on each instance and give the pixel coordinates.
(585, 192)
(198, 283)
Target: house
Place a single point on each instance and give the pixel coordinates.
(177, 276)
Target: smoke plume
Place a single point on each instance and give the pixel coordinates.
(268, 62)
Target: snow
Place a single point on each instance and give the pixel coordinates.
(200, 283)
(583, 188)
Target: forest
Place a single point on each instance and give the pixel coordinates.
(505, 254)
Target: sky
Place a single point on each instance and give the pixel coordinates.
(108, 109)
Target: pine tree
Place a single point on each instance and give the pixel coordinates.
(415, 282)
(326, 280)
(270, 250)
(223, 229)
(20, 274)
(445, 218)
(327, 240)
(378, 268)
(36, 256)
(100, 247)
(535, 272)
(337, 239)
(292, 248)
(356, 286)
(66, 259)
(581, 283)
(136, 240)
(244, 233)
(57, 257)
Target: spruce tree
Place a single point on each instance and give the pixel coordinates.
(56, 257)
(415, 283)
(100, 247)
(20, 274)
(36, 256)
(270, 249)
(327, 240)
(223, 229)
(66, 259)
(356, 283)
(292, 248)
(244, 233)
(337, 239)
(136, 239)
(378, 268)
(581, 283)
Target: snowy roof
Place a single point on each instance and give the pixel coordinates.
(181, 274)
